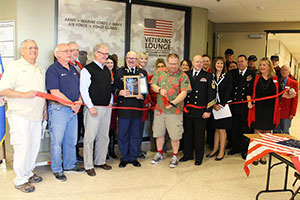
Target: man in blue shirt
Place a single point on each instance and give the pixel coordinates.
(62, 80)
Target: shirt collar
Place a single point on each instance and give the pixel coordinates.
(134, 68)
(99, 64)
(196, 71)
(27, 63)
(243, 72)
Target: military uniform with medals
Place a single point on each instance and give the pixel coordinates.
(240, 89)
(202, 94)
(129, 121)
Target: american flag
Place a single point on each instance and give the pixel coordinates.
(272, 143)
(158, 28)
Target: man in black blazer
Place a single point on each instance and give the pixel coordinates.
(129, 121)
(242, 79)
(202, 94)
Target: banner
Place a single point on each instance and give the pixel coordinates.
(158, 32)
(2, 109)
(92, 22)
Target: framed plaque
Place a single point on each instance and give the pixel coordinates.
(132, 83)
(143, 85)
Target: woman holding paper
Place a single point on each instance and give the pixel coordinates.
(223, 83)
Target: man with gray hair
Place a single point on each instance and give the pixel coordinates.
(62, 80)
(129, 121)
(74, 61)
(19, 84)
(95, 88)
(288, 107)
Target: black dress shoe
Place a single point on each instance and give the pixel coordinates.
(244, 156)
(141, 156)
(184, 159)
(255, 163)
(136, 163)
(232, 152)
(122, 164)
(263, 162)
(210, 156)
(104, 166)
(91, 172)
(219, 159)
(60, 176)
(197, 162)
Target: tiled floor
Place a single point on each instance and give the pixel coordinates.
(225, 180)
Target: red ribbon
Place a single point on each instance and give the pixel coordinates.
(237, 102)
(165, 101)
(63, 101)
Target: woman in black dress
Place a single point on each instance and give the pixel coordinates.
(264, 115)
(223, 83)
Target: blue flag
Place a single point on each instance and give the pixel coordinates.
(2, 109)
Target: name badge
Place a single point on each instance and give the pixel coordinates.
(63, 74)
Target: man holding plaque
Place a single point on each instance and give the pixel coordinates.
(130, 85)
(171, 84)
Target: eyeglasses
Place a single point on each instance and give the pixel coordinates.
(31, 48)
(105, 54)
(66, 51)
(72, 50)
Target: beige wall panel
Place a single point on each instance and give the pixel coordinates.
(199, 31)
(241, 44)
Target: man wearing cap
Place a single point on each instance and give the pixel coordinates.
(275, 61)
(229, 56)
(252, 62)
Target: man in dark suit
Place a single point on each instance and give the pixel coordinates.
(129, 121)
(202, 94)
(242, 79)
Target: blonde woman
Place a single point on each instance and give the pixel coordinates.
(264, 115)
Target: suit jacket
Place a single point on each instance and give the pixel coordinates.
(202, 94)
(127, 101)
(223, 88)
(240, 89)
(289, 106)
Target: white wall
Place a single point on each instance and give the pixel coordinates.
(240, 43)
(35, 20)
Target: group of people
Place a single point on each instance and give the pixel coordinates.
(183, 100)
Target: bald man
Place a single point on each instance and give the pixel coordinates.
(288, 107)
(129, 121)
(62, 80)
(203, 94)
(19, 84)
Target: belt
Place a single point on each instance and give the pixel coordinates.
(57, 103)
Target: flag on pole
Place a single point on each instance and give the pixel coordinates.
(2, 109)
(272, 143)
